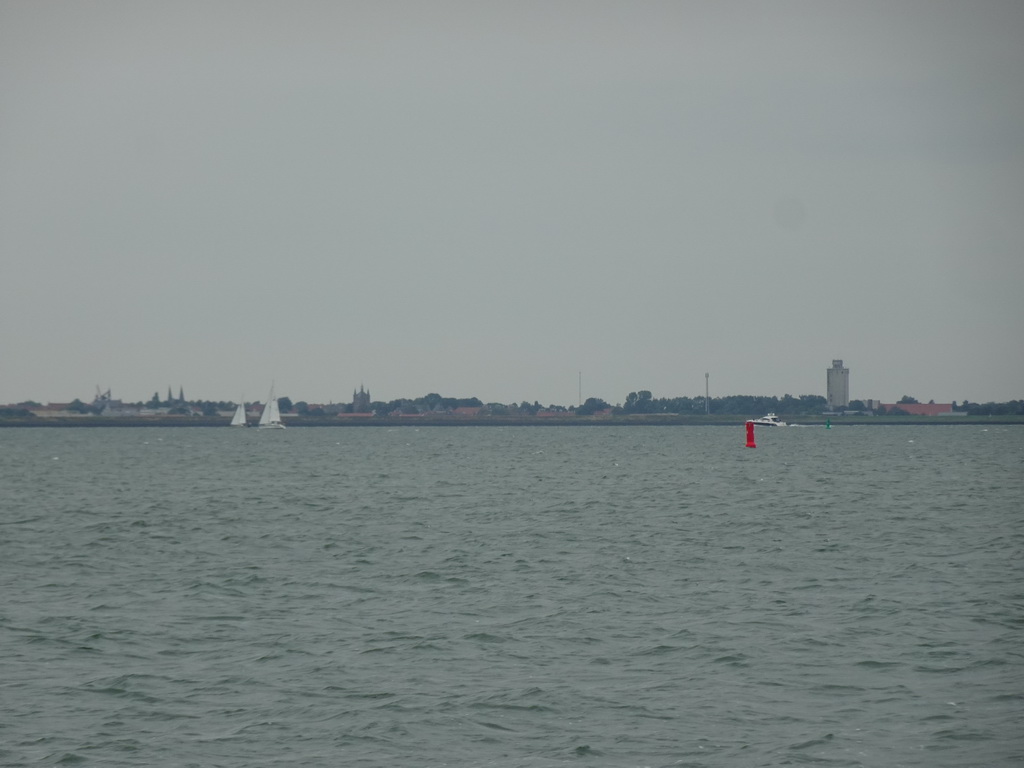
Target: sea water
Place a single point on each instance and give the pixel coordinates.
(547, 596)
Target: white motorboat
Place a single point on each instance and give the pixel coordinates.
(771, 420)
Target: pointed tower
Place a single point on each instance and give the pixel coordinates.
(361, 400)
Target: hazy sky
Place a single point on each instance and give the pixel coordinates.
(488, 199)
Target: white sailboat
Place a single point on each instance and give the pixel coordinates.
(238, 420)
(271, 417)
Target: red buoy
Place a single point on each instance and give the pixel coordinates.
(750, 435)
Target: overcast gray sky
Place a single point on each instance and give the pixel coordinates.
(489, 199)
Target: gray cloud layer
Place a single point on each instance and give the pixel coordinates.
(488, 198)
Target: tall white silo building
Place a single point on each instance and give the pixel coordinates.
(837, 389)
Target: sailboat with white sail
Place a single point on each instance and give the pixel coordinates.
(238, 420)
(271, 417)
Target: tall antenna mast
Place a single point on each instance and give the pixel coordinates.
(707, 394)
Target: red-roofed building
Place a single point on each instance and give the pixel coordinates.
(921, 409)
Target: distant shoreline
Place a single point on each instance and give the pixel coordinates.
(651, 420)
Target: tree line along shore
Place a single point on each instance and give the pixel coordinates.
(639, 407)
(568, 420)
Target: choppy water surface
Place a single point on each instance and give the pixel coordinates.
(512, 597)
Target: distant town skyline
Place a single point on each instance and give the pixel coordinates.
(362, 393)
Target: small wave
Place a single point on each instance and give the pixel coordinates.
(485, 637)
(962, 735)
(871, 664)
(733, 660)
(494, 726)
(813, 742)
